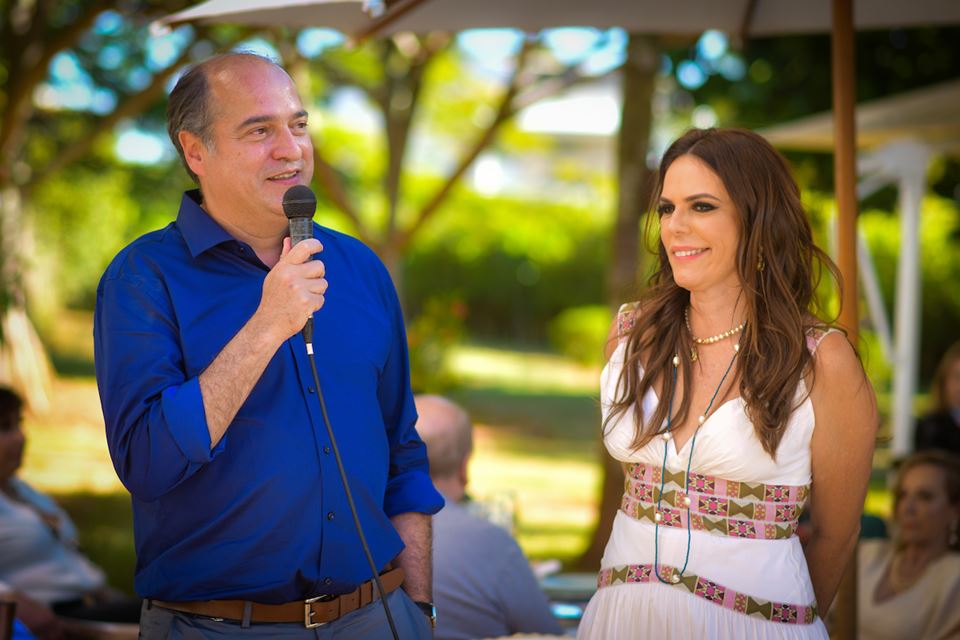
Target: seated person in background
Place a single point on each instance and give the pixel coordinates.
(40, 567)
(940, 429)
(482, 584)
(911, 588)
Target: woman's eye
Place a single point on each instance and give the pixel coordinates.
(665, 209)
(703, 207)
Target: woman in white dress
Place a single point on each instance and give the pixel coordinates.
(731, 406)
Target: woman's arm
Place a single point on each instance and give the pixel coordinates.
(845, 410)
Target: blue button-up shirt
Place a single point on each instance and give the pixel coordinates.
(263, 515)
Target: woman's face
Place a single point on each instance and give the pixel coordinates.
(699, 227)
(951, 386)
(11, 446)
(924, 513)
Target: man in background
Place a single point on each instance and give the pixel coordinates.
(482, 583)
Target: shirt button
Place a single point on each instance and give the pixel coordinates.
(242, 250)
(309, 389)
(328, 581)
(331, 515)
(326, 449)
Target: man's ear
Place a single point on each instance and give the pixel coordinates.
(463, 473)
(194, 151)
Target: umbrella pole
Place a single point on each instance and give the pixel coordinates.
(845, 178)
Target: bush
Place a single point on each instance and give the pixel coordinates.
(579, 332)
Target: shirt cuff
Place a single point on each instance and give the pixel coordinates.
(187, 421)
(412, 492)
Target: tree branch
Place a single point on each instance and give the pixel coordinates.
(503, 113)
(514, 99)
(26, 77)
(132, 105)
(334, 188)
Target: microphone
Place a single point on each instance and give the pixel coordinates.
(299, 205)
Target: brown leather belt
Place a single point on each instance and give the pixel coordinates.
(312, 612)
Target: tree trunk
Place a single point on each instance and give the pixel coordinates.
(23, 361)
(636, 185)
(392, 255)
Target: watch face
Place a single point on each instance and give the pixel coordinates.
(429, 610)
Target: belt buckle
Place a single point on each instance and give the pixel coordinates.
(308, 611)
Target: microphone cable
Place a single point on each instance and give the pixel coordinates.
(308, 338)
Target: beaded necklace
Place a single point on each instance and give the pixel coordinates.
(723, 335)
(666, 435)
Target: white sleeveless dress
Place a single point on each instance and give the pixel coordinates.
(746, 576)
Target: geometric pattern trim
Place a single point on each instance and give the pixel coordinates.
(711, 592)
(717, 506)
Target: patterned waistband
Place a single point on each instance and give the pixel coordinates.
(713, 505)
(709, 591)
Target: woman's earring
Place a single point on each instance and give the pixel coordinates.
(760, 263)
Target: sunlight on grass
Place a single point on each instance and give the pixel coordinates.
(554, 497)
(517, 370)
(66, 447)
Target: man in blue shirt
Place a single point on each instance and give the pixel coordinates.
(213, 420)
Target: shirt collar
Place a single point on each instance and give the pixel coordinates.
(199, 230)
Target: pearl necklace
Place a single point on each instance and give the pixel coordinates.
(667, 435)
(712, 339)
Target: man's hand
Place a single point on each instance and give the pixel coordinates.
(293, 290)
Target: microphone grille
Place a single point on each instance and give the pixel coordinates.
(299, 202)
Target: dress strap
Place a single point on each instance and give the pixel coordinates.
(626, 318)
(815, 336)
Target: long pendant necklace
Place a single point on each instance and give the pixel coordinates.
(666, 435)
(723, 335)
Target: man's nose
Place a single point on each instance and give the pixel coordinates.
(288, 147)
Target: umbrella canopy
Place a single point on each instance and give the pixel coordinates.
(929, 115)
(743, 17)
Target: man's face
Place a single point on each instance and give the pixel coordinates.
(260, 144)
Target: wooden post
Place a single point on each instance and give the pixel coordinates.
(845, 178)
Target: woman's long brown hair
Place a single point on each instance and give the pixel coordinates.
(779, 299)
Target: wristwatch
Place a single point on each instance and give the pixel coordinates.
(428, 610)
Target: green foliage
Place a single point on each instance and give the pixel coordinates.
(105, 524)
(430, 336)
(515, 263)
(82, 218)
(580, 333)
(940, 271)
